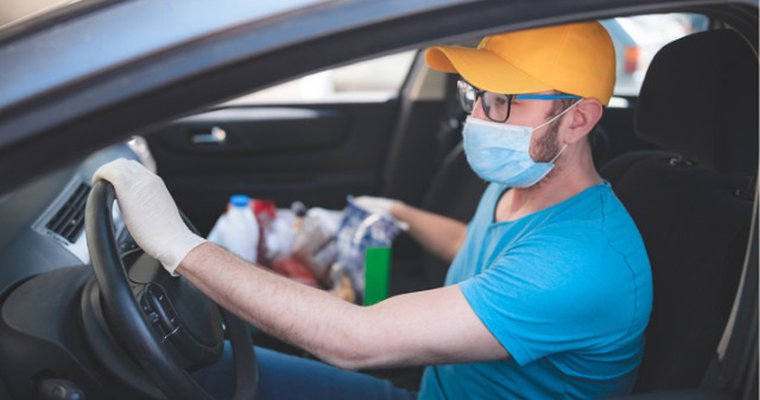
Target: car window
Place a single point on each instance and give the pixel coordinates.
(637, 39)
(377, 79)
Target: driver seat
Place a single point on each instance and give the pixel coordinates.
(693, 202)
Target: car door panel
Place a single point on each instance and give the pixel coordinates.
(317, 154)
(257, 131)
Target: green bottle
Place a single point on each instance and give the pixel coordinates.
(377, 262)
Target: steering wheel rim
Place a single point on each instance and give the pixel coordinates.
(128, 318)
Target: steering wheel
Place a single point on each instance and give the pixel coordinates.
(166, 324)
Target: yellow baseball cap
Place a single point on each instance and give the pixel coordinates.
(575, 58)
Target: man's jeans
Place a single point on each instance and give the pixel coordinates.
(283, 376)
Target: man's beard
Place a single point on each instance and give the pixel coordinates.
(548, 147)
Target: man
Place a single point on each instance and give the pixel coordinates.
(549, 291)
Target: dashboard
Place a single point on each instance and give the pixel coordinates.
(42, 223)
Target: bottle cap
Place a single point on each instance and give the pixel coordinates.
(239, 200)
(298, 208)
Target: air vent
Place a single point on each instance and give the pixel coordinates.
(69, 220)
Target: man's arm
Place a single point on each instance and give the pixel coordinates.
(440, 235)
(430, 327)
(435, 326)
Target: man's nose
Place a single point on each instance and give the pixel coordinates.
(477, 111)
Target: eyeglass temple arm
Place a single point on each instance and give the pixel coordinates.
(544, 96)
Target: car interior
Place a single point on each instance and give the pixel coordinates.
(682, 156)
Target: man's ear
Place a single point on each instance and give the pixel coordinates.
(583, 118)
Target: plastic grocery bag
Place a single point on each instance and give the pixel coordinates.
(314, 243)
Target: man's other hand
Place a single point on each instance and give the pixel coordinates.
(376, 205)
(149, 212)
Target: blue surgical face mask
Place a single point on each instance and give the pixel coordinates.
(500, 152)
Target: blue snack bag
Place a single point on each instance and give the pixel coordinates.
(358, 231)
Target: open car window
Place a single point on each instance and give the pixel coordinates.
(376, 79)
(637, 39)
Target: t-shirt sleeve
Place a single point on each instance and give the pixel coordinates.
(545, 295)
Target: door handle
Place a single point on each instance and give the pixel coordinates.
(216, 136)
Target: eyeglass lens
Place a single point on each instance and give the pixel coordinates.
(496, 106)
(467, 96)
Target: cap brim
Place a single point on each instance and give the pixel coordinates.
(483, 69)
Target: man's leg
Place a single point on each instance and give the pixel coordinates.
(283, 376)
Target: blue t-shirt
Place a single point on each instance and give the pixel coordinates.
(566, 290)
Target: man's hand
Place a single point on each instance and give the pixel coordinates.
(149, 212)
(440, 235)
(381, 206)
(376, 205)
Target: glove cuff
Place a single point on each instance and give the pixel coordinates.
(181, 246)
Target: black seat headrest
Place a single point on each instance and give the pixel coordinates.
(700, 99)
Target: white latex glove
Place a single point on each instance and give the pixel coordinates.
(381, 206)
(376, 205)
(149, 212)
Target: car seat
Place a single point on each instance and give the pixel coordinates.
(454, 192)
(692, 202)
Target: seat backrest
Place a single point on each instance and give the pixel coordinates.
(454, 192)
(692, 202)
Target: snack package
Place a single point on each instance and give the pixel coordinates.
(342, 287)
(358, 231)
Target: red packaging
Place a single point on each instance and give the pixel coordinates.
(265, 211)
(295, 270)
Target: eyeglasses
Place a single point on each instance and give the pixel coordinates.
(497, 107)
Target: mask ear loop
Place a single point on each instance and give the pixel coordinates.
(558, 154)
(554, 118)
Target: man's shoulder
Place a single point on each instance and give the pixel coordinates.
(596, 210)
(593, 227)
